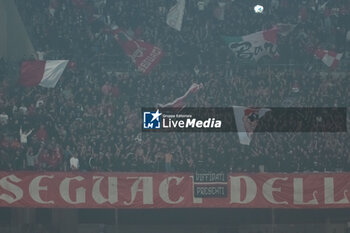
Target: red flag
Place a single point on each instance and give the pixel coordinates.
(145, 56)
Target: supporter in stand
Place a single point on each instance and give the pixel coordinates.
(31, 158)
(24, 135)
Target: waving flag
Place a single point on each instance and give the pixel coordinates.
(246, 121)
(254, 46)
(180, 102)
(145, 56)
(42, 73)
(176, 14)
(330, 58)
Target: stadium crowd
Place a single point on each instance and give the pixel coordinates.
(91, 120)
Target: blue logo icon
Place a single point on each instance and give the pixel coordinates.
(151, 120)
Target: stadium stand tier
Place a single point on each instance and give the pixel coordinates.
(74, 75)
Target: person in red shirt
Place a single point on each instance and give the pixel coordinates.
(44, 159)
(303, 13)
(115, 91)
(106, 88)
(31, 110)
(5, 143)
(55, 159)
(41, 134)
(15, 144)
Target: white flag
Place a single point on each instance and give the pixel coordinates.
(180, 102)
(246, 119)
(176, 14)
(254, 46)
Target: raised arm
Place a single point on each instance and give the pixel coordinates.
(30, 131)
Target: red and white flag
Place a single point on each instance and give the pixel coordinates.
(145, 56)
(180, 102)
(42, 73)
(330, 58)
(246, 119)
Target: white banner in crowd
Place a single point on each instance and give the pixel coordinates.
(246, 120)
(176, 14)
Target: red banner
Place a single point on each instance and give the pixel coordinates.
(144, 55)
(171, 190)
